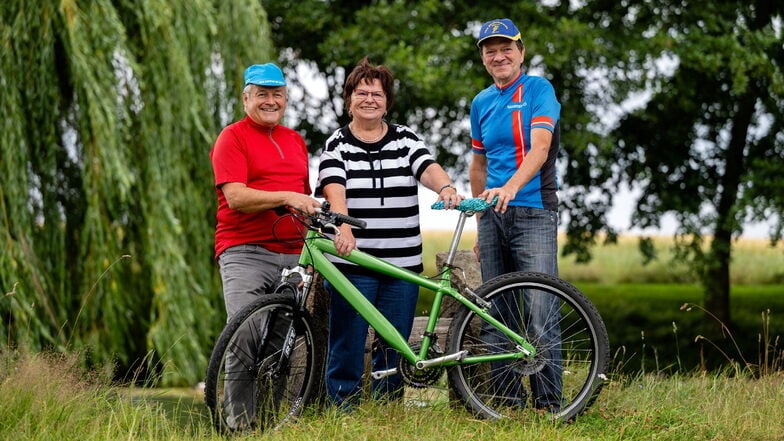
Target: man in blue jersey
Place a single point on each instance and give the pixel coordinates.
(514, 138)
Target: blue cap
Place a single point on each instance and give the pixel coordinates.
(264, 75)
(500, 27)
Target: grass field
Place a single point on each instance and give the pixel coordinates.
(642, 305)
(46, 398)
(755, 262)
(651, 392)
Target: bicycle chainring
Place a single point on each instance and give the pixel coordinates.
(420, 378)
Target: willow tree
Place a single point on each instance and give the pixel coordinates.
(109, 109)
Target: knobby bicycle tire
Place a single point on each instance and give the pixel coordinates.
(249, 384)
(496, 389)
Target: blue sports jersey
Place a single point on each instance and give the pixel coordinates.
(501, 123)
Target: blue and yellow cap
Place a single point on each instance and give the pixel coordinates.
(500, 27)
(267, 74)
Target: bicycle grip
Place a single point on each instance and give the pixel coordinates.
(345, 219)
(471, 204)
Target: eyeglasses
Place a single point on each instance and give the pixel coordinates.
(363, 95)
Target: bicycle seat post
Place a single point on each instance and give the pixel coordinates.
(450, 258)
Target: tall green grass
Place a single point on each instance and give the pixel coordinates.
(45, 398)
(50, 397)
(661, 327)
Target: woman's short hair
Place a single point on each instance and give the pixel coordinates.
(364, 72)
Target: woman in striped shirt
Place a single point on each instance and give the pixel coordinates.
(369, 170)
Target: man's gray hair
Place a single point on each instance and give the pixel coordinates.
(246, 90)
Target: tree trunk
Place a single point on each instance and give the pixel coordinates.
(716, 278)
(717, 281)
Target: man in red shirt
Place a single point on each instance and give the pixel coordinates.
(259, 165)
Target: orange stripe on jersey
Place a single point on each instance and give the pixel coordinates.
(477, 145)
(542, 121)
(518, 131)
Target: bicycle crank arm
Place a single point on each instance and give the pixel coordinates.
(377, 375)
(423, 364)
(457, 356)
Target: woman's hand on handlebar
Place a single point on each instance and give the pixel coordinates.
(345, 241)
(450, 197)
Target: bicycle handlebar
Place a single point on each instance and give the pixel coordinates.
(345, 219)
(472, 205)
(325, 216)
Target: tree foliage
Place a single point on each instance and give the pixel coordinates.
(110, 108)
(107, 209)
(708, 144)
(681, 101)
(430, 46)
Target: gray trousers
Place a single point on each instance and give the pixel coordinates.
(247, 272)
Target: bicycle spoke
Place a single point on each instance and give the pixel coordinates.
(251, 384)
(564, 328)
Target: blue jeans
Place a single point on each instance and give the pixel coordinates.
(396, 300)
(526, 239)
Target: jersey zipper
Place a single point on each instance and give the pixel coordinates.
(277, 146)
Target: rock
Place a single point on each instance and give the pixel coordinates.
(465, 274)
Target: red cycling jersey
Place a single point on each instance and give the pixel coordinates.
(263, 158)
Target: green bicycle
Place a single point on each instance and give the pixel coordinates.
(267, 364)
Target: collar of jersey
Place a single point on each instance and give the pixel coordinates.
(511, 83)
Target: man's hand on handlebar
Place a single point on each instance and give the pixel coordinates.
(303, 203)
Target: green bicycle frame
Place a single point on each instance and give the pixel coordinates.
(314, 254)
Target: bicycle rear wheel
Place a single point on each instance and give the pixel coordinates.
(252, 383)
(568, 370)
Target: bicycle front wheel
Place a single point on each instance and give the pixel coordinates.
(265, 368)
(572, 349)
